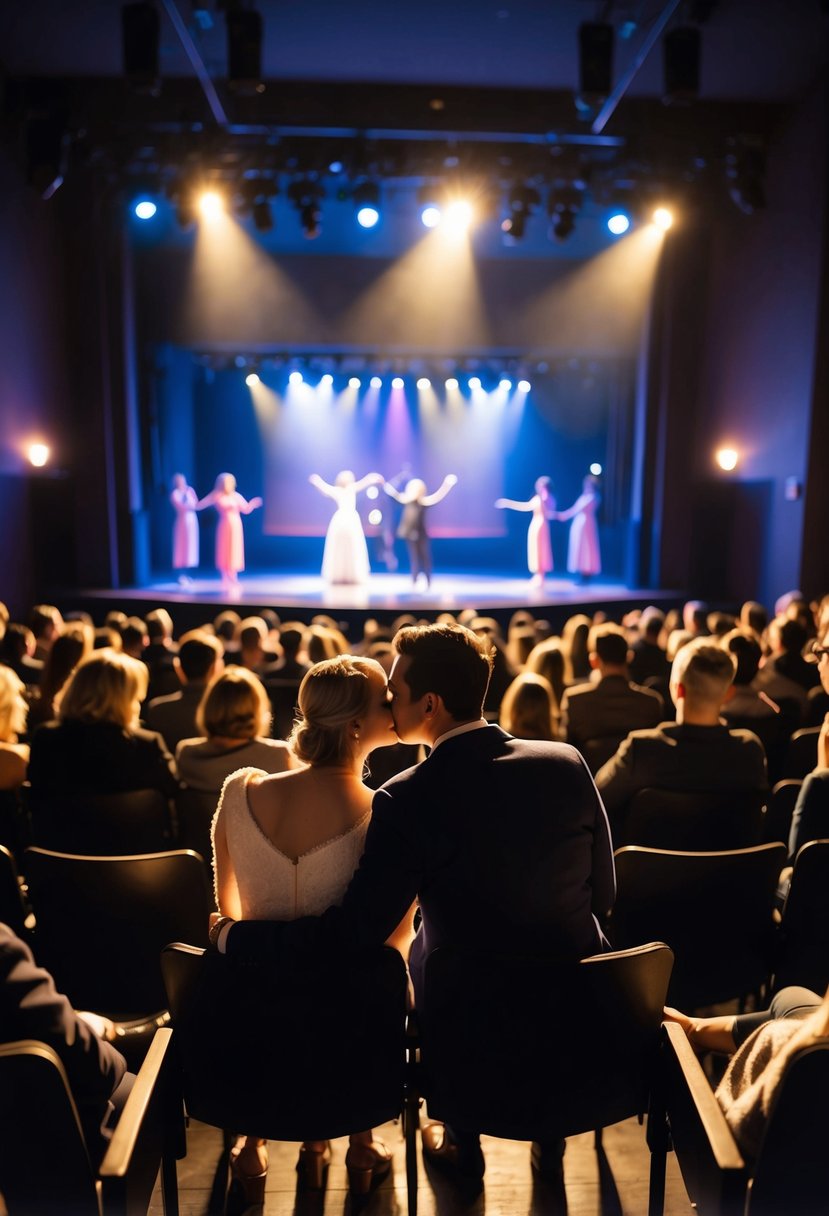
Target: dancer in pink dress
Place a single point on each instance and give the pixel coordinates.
(539, 547)
(230, 539)
(583, 553)
(185, 503)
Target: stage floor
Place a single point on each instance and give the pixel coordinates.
(390, 592)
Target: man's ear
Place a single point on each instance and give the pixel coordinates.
(593, 659)
(679, 693)
(730, 693)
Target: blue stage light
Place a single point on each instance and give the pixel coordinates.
(376, 382)
(397, 382)
(474, 383)
(354, 382)
(368, 217)
(145, 209)
(596, 469)
(430, 216)
(618, 223)
(524, 386)
(505, 385)
(295, 378)
(327, 380)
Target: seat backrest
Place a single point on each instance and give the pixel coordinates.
(801, 755)
(44, 1165)
(598, 751)
(803, 955)
(102, 922)
(12, 909)
(306, 1053)
(699, 821)
(102, 825)
(528, 1048)
(713, 909)
(778, 818)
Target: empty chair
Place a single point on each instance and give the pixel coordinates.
(12, 908)
(791, 1173)
(713, 909)
(102, 825)
(694, 821)
(103, 921)
(802, 955)
(801, 754)
(778, 818)
(44, 1162)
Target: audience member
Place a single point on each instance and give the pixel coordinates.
(134, 638)
(467, 829)
(291, 665)
(200, 657)
(226, 626)
(235, 715)
(115, 619)
(4, 619)
(253, 638)
(810, 820)
(574, 638)
(316, 819)
(46, 624)
(107, 638)
(746, 701)
(528, 708)
(64, 656)
(697, 752)
(754, 618)
(648, 660)
(785, 675)
(159, 654)
(17, 650)
(321, 643)
(97, 746)
(14, 756)
(613, 706)
(695, 618)
(547, 659)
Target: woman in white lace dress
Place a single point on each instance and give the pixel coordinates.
(286, 846)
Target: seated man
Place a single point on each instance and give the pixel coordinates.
(200, 657)
(697, 752)
(647, 658)
(785, 675)
(614, 706)
(504, 842)
(810, 820)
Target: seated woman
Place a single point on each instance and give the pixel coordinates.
(235, 715)
(63, 657)
(14, 756)
(286, 846)
(528, 708)
(762, 1043)
(97, 746)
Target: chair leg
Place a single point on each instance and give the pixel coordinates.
(169, 1185)
(609, 1202)
(411, 1122)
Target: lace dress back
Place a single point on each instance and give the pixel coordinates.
(271, 885)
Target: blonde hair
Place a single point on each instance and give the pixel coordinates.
(234, 706)
(528, 708)
(12, 705)
(332, 694)
(104, 687)
(704, 669)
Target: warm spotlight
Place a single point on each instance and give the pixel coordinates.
(458, 217)
(211, 205)
(251, 379)
(618, 223)
(368, 217)
(145, 209)
(424, 382)
(451, 383)
(727, 459)
(474, 383)
(38, 455)
(354, 382)
(596, 469)
(397, 382)
(430, 216)
(524, 386)
(376, 382)
(663, 218)
(295, 378)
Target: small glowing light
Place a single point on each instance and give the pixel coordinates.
(251, 379)
(210, 205)
(474, 383)
(663, 218)
(424, 382)
(375, 517)
(727, 459)
(458, 216)
(372, 492)
(524, 386)
(145, 209)
(336, 166)
(376, 382)
(618, 223)
(327, 380)
(505, 385)
(38, 454)
(397, 382)
(430, 216)
(368, 217)
(451, 383)
(596, 469)
(295, 378)
(354, 382)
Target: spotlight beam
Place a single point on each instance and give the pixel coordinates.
(626, 79)
(197, 63)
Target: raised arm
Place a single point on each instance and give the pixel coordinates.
(323, 486)
(432, 499)
(394, 493)
(370, 479)
(246, 506)
(581, 502)
(207, 501)
(512, 504)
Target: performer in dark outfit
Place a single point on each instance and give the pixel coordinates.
(415, 501)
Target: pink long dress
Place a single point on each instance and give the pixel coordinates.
(185, 529)
(230, 538)
(583, 553)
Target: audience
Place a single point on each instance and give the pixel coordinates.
(528, 708)
(17, 650)
(613, 706)
(200, 657)
(64, 656)
(648, 660)
(134, 638)
(159, 654)
(547, 660)
(235, 715)
(46, 624)
(574, 638)
(253, 640)
(810, 820)
(14, 756)
(785, 675)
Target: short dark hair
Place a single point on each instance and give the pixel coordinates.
(42, 618)
(793, 637)
(746, 650)
(134, 632)
(198, 652)
(610, 643)
(449, 660)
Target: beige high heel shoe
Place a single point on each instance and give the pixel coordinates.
(362, 1177)
(251, 1185)
(312, 1166)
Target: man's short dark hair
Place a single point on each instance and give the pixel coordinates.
(159, 625)
(42, 619)
(198, 651)
(290, 638)
(746, 650)
(651, 623)
(793, 637)
(134, 632)
(449, 660)
(610, 644)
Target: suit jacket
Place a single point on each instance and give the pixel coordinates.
(32, 1008)
(614, 706)
(679, 756)
(505, 843)
(649, 661)
(810, 820)
(174, 716)
(69, 758)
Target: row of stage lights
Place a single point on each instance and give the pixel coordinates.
(451, 384)
(456, 215)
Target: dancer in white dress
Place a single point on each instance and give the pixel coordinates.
(185, 502)
(286, 846)
(345, 558)
(583, 553)
(539, 547)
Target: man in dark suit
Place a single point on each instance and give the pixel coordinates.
(200, 657)
(647, 658)
(504, 842)
(614, 706)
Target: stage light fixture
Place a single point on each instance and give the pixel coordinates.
(474, 383)
(458, 217)
(372, 492)
(140, 34)
(451, 383)
(38, 455)
(251, 379)
(727, 459)
(424, 382)
(563, 206)
(522, 203)
(354, 382)
(327, 380)
(295, 378)
(145, 209)
(376, 382)
(375, 517)
(618, 223)
(430, 215)
(305, 194)
(663, 218)
(244, 48)
(505, 385)
(596, 469)
(397, 382)
(367, 204)
(211, 205)
(524, 386)
(336, 167)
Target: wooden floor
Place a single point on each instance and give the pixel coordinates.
(509, 1189)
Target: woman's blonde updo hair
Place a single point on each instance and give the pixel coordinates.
(332, 694)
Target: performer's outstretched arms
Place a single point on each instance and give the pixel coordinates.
(449, 481)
